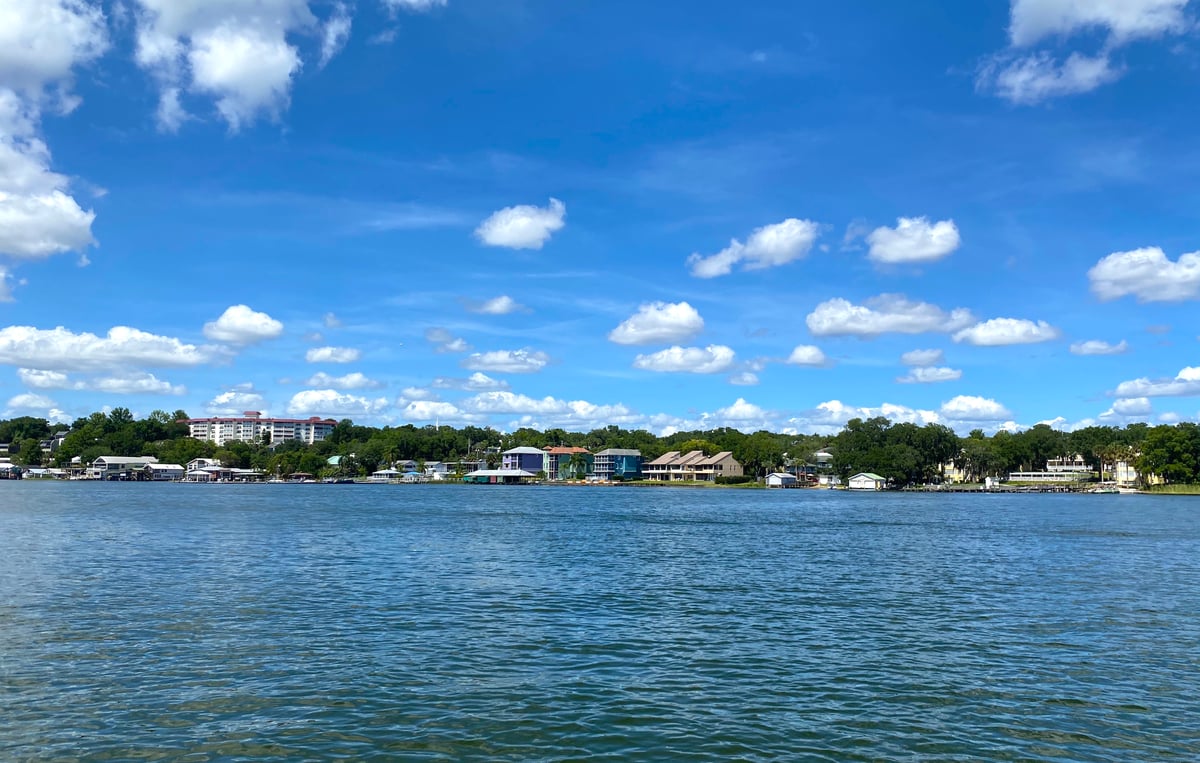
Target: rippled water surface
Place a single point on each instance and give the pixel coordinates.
(211, 622)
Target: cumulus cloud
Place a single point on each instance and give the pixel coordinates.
(41, 42)
(354, 380)
(236, 401)
(502, 305)
(767, 247)
(476, 382)
(523, 361)
(444, 341)
(914, 239)
(930, 375)
(887, 313)
(133, 383)
(829, 417)
(1034, 20)
(744, 379)
(434, 410)
(522, 227)
(1037, 76)
(1132, 406)
(29, 404)
(61, 350)
(1148, 275)
(1185, 383)
(333, 404)
(807, 355)
(921, 358)
(5, 289)
(331, 321)
(659, 323)
(999, 332)
(236, 51)
(970, 408)
(332, 355)
(1099, 347)
(242, 326)
(712, 359)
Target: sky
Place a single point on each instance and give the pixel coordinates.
(669, 216)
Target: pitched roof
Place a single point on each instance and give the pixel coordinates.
(524, 449)
(665, 458)
(567, 449)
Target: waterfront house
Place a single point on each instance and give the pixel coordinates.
(781, 479)
(694, 466)
(384, 475)
(532, 460)
(866, 481)
(499, 477)
(621, 463)
(203, 463)
(118, 467)
(251, 426)
(557, 464)
(163, 472)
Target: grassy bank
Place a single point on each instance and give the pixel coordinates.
(1173, 490)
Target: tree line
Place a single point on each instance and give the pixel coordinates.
(903, 453)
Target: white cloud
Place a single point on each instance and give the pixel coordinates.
(930, 375)
(1185, 383)
(999, 332)
(1132, 406)
(133, 383)
(332, 355)
(768, 246)
(5, 289)
(445, 341)
(476, 382)
(1038, 77)
(522, 227)
(807, 355)
(502, 305)
(333, 404)
(28, 404)
(354, 380)
(62, 350)
(331, 321)
(744, 379)
(240, 325)
(913, 239)
(433, 410)
(523, 361)
(1099, 347)
(969, 408)
(236, 401)
(41, 41)
(237, 51)
(1035, 20)
(712, 359)
(408, 394)
(829, 417)
(741, 411)
(922, 358)
(334, 34)
(1148, 275)
(887, 313)
(659, 323)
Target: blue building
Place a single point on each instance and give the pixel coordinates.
(532, 460)
(621, 463)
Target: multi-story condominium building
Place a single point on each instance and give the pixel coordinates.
(672, 466)
(252, 427)
(532, 460)
(559, 459)
(624, 463)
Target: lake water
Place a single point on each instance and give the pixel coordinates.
(291, 622)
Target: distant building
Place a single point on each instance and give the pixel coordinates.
(528, 459)
(781, 479)
(251, 426)
(557, 463)
(693, 466)
(623, 463)
(866, 481)
(163, 472)
(119, 467)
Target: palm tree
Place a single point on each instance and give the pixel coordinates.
(578, 464)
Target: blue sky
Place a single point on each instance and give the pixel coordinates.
(656, 215)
